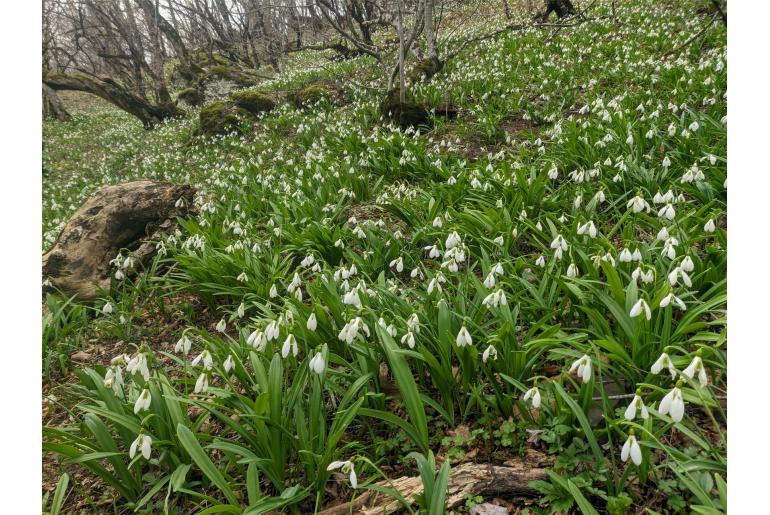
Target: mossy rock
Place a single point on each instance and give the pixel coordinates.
(410, 113)
(253, 101)
(190, 96)
(425, 69)
(309, 95)
(218, 118)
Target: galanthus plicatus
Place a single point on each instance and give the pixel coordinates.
(143, 401)
(489, 352)
(664, 361)
(631, 449)
(582, 366)
(463, 338)
(640, 307)
(347, 467)
(143, 442)
(696, 367)
(533, 394)
(673, 404)
(317, 363)
(636, 407)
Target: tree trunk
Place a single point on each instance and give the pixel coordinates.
(53, 107)
(430, 30)
(465, 480)
(112, 92)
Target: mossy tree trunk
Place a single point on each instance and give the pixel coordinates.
(52, 105)
(112, 92)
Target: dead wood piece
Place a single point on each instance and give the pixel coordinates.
(466, 479)
(123, 216)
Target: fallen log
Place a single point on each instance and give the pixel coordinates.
(124, 216)
(468, 479)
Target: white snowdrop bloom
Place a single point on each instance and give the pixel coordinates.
(587, 228)
(257, 340)
(347, 467)
(339, 244)
(696, 367)
(664, 361)
(694, 126)
(229, 363)
(221, 326)
(667, 212)
(452, 240)
(641, 306)
(675, 274)
(308, 261)
(495, 299)
(317, 363)
(352, 298)
(600, 197)
(578, 200)
(289, 345)
(559, 243)
(143, 401)
(107, 309)
(437, 222)
(416, 273)
(139, 364)
(636, 406)
(183, 344)
(489, 352)
(242, 277)
(489, 281)
(582, 366)
(663, 234)
(273, 291)
(433, 251)
(540, 261)
(710, 226)
(666, 162)
(631, 449)
(668, 299)
(534, 394)
(202, 383)
(434, 284)
(205, 357)
(463, 338)
(312, 322)
(351, 329)
(687, 264)
(673, 405)
(144, 444)
(113, 378)
(637, 255)
(499, 241)
(572, 270)
(498, 269)
(638, 204)
(553, 173)
(241, 310)
(119, 275)
(408, 339)
(625, 256)
(539, 226)
(452, 180)
(630, 139)
(398, 264)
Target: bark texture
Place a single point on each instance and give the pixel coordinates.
(124, 216)
(509, 479)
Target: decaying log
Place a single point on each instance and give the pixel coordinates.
(124, 216)
(52, 105)
(467, 479)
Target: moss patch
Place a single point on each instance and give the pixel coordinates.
(253, 101)
(190, 96)
(309, 95)
(218, 118)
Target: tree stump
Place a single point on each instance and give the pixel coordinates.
(124, 216)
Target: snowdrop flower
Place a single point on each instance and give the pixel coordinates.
(452, 240)
(534, 394)
(229, 363)
(463, 338)
(202, 384)
(664, 361)
(540, 261)
(113, 378)
(495, 299)
(433, 251)
(663, 234)
(408, 339)
(572, 270)
(553, 173)
(638, 204)
(413, 322)
(257, 340)
(183, 344)
(107, 308)
(437, 222)
(489, 352)
(625, 256)
(272, 330)
(143, 401)
(204, 356)
(497, 269)
(398, 264)
(317, 364)
(289, 345)
(221, 326)
(631, 448)
(352, 298)
(242, 277)
(559, 243)
(600, 197)
(587, 228)
(696, 367)
(637, 256)
(677, 272)
(139, 364)
(668, 299)
(641, 305)
(351, 329)
(636, 406)
(308, 261)
(273, 291)
(673, 404)
(241, 310)
(687, 265)
(312, 322)
(583, 368)
(710, 226)
(119, 275)
(144, 444)
(667, 212)
(489, 282)
(347, 467)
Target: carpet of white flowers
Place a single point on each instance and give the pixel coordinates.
(546, 271)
